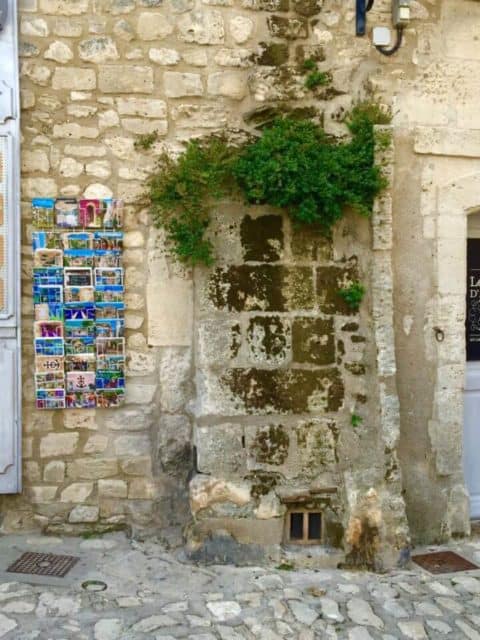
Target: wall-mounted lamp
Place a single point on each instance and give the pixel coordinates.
(382, 35)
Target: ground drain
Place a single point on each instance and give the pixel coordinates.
(43, 564)
(443, 562)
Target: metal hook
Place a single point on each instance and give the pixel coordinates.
(439, 334)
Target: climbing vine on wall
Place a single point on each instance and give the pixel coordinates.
(293, 164)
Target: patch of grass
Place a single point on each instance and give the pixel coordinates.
(353, 295)
(316, 79)
(285, 566)
(146, 140)
(355, 420)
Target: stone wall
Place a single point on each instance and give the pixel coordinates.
(242, 379)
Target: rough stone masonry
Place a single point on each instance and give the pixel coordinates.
(243, 378)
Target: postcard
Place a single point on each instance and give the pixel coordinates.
(77, 240)
(48, 329)
(49, 364)
(113, 214)
(79, 346)
(90, 213)
(50, 399)
(46, 240)
(108, 241)
(79, 294)
(43, 213)
(81, 381)
(47, 293)
(110, 347)
(48, 311)
(78, 258)
(81, 400)
(79, 328)
(108, 277)
(111, 363)
(107, 259)
(66, 212)
(83, 362)
(106, 379)
(109, 398)
(50, 380)
(48, 258)
(78, 277)
(109, 309)
(49, 347)
(109, 293)
(45, 276)
(110, 327)
(79, 311)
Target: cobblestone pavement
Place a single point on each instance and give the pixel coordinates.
(152, 594)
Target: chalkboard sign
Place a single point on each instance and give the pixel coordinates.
(473, 299)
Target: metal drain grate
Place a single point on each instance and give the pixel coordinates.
(443, 562)
(43, 564)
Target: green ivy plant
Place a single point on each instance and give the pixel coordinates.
(355, 420)
(353, 295)
(293, 164)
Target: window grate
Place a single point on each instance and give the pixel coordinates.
(304, 526)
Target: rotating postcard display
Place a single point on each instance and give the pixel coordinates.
(78, 296)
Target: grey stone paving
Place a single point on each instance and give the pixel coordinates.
(154, 594)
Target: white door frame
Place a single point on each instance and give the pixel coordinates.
(10, 314)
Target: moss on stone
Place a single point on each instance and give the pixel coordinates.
(271, 445)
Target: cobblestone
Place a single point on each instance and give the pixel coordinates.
(153, 593)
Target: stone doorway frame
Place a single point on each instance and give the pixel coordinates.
(455, 202)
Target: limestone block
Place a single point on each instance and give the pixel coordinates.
(80, 419)
(96, 444)
(74, 78)
(220, 449)
(193, 116)
(124, 30)
(99, 49)
(447, 142)
(100, 169)
(137, 445)
(54, 471)
(122, 148)
(142, 489)
(83, 514)
(70, 168)
(169, 298)
(230, 84)
(195, 57)
(129, 419)
(133, 321)
(37, 73)
(125, 79)
(36, 27)
(203, 27)
(164, 57)
(234, 57)
(58, 51)
(144, 107)
(58, 444)
(31, 471)
(64, 7)
(119, 6)
(39, 495)
(85, 151)
(241, 29)
(77, 492)
(154, 26)
(27, 98)
(112, 488)
(67, 28)
(140, 466)
(178, 85)
(81, 110)
(140, 126)
(174, 376)
(35, 161)
(173, 446)
(92, 468)
(97, 190)
(140, 364)
(28, 5)
(206, 491)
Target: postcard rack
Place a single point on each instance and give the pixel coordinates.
(78, 297)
